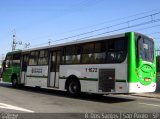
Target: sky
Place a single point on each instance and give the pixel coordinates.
(36, 22)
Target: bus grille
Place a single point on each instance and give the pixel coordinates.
(106, 80)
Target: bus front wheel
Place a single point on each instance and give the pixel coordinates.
(73, 87)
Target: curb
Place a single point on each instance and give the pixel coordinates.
(157, 97)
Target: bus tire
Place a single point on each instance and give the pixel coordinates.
(14, 82)
(73, 87)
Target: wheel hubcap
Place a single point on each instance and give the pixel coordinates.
(14, 81)
(73, 88)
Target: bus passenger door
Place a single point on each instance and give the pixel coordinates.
(24, 62)
(54, 69)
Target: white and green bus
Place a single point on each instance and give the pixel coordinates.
(123, 63)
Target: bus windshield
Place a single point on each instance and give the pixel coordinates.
(145, 48)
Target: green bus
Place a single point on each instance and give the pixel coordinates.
(122, 63)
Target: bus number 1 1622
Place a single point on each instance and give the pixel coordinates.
(91, 69)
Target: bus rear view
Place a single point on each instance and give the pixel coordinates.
(142, 64)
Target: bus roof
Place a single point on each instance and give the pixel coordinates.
(13, 52)
(76, 42)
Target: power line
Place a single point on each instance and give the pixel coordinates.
(136, 19)
(109, 21)
(147, 27)
(154, 33)
(110, 26)
(156, 37)
(90, 26)
(119, 29)
(137, 25)
(112, 30)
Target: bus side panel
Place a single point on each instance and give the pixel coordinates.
(121, 85)
(6, 76)
(37, 76)
(89, 76)
(23, 77)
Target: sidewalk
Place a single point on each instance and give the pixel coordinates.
(148, 95)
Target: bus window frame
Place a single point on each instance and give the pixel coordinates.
(8, 62)
(32, 58)
(138, 38)
(19, 58)
(47, 60)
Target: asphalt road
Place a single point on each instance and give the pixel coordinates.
(35, 100)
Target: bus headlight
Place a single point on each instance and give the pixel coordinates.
(147, 79)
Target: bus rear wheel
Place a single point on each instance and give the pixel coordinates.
(14, 82)
(73, 87)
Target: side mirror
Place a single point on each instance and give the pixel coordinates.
(7, 64)
(4, 64)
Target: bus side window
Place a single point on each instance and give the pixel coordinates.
(110, 57)
(24, 62)
(110, 54)
(86, 58)
(99, 52)
(16, 60)
(71, 55)
(33, 58)
(77, 55)
(117, 50)
(120, 49)
(87, 53)
(43, 57)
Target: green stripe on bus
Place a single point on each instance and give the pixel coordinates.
(87, 79)
(94, 79)
(62, 77)
(121, 81)
(39, 76)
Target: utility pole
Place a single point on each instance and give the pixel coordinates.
(14, 42)
(49, 42)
